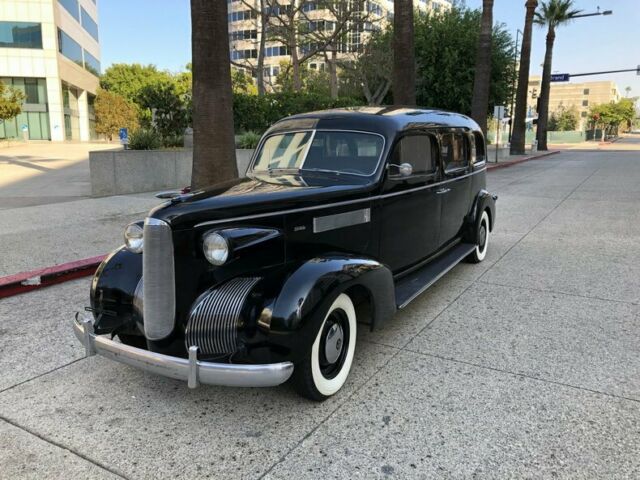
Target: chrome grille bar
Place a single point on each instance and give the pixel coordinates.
(213, 322)
(159, 280)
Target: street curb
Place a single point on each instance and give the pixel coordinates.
(493, 166)
(44, 277)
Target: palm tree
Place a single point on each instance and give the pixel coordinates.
(214, 155)
(552, 13)
(404, 68)
(482, 79)
(520, 116)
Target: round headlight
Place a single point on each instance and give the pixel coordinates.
(133, 238)
(215, 248)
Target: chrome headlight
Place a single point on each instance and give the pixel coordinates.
(215, 248)
(133, 238)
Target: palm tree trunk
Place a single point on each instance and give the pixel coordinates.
(519, 119)
(545, 90)
(404, 69)
(482, 79)
(264, 19)
(214, 155)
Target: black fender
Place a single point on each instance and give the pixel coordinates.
(113, 291)
(483, 201)
(309, 291)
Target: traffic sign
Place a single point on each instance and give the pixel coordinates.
(560, 77)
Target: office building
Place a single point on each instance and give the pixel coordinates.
(50, 50)
(245, 30)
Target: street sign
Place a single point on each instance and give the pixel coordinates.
(124, 136)
(560, 77)
(498, 112)
(638, 70)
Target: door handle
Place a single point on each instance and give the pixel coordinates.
(443, 190)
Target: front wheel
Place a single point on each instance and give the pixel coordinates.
(326, 368)
(480, 251)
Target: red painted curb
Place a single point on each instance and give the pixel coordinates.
(27, 281)
(493, 166)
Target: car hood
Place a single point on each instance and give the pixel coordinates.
(260, 194)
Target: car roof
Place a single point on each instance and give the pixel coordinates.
(386, 120)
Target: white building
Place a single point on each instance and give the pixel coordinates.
(50, 50)
(245, 30)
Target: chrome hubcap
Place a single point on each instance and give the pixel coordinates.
(333, 343)
(483, 236)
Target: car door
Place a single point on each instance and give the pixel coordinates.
(409, 209)
(455, 188)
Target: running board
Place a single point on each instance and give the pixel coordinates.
(409, 287)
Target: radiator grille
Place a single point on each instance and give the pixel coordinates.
(159, 280)
(213, 323)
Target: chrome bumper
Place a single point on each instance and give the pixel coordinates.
(191, 370)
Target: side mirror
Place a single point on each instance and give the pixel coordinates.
(405, 169)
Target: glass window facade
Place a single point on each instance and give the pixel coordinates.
(72, 7)
(70, 48)
(34, 117)
(20, 35)
(91, 63)
(89, 24)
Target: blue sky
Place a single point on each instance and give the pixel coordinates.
(158, 32)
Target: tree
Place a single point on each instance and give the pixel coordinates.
(520, 115)
(371, 70)
(214, 155)
(609, 116)
(552, 13)
(564, 120)
(10, 102)
(481, 82)
(166, 108)
(311, 81)
(112, 113)
(445, 52)
(404, 61)
(128, 80)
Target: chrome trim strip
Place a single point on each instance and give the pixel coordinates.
(336, 204)
(341, 220)
(189, 370)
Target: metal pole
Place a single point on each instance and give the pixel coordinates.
(497, 137)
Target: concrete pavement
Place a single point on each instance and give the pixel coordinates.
(525, 365)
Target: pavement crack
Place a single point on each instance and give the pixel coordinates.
(523, 375)
(41, 375)
(63, 447)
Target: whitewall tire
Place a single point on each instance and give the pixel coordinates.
(327, 366)
(482, 246)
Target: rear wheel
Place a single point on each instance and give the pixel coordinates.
(480, 251)
(326, 367)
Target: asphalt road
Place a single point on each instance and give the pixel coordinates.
(526, 365)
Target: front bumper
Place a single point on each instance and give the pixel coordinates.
(191, 370)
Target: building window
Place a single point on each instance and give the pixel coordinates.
(585, 103)
(72, 7)
(89, 25)
(68, 47)
(243, 35)
(91, 64)
(585, 91)
(242, 15)
(309, 6)
(583, 114)
(20, 35)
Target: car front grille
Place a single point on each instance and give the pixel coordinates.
(214, 321)
(158, 288)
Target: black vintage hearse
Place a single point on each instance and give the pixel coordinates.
(345, 216)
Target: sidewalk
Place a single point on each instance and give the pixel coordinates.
(47, 235)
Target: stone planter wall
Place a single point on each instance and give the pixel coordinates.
(133, 171)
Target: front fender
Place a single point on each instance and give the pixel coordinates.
(308, 292)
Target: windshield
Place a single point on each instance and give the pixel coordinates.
(316, 150)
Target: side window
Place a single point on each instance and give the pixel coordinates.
(477, 146)
(455, 154)
(419, 151)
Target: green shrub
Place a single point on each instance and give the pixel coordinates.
(145, 139)
(248, 140)
(173, 141)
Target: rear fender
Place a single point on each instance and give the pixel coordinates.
(483, 201)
